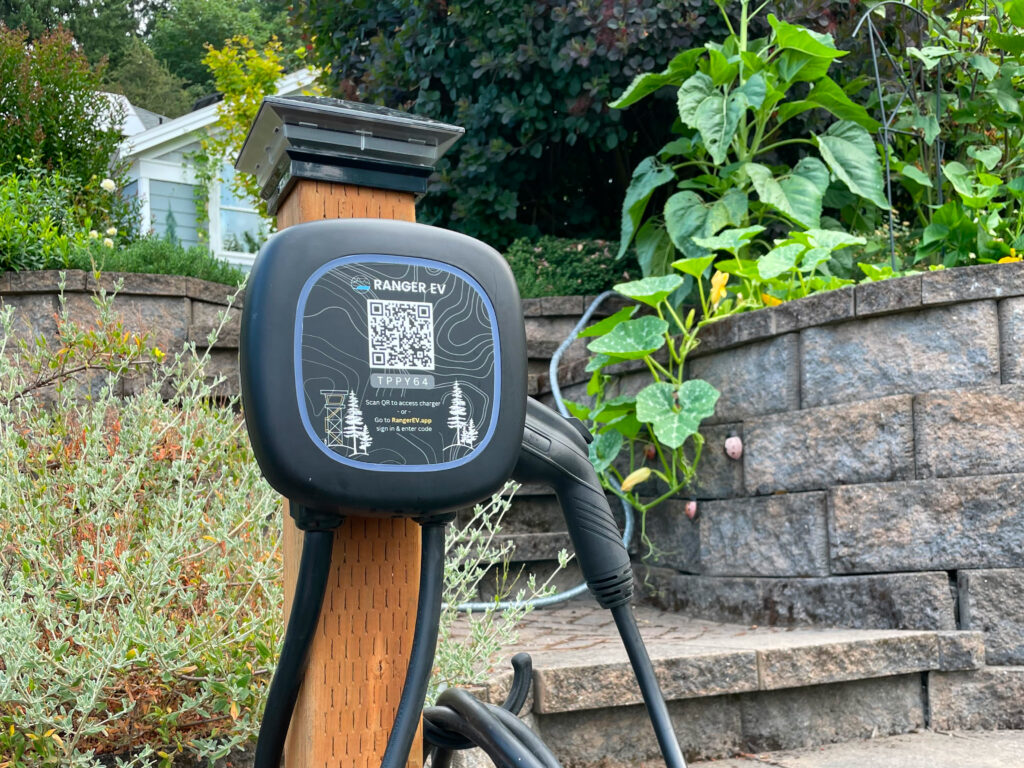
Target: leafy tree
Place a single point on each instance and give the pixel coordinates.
(147, 83)
(49, 110)
(529, 82)
(182, 32)
(103, 28)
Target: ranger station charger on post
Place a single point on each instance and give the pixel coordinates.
(383, 369)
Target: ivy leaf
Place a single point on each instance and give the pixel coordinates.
(651, 290)
(779, 259)
(850, 152)
(729, 240)
(647, 177)
(597, 362)
(797, 195)
(605, 449)
(654, 248)
(655, 401)
(632, 339)
(602, 327)
(685, 216)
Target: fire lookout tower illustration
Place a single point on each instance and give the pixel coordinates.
(343, 422)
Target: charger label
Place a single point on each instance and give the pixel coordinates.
(396, 363)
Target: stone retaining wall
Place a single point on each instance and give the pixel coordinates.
(882, 481)
(882, 478)
(171, 309)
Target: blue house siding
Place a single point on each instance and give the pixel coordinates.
(173, 210)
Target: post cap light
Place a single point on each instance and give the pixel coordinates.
(307, 137)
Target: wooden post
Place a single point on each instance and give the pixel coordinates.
(327, 159)
(358, 660)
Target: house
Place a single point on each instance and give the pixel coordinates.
(164, 181)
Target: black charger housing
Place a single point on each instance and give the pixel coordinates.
(383, 369)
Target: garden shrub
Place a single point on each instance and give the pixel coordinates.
(37, 230)
(140, 578)
(553, 266)
(52, 113)
(155, 255)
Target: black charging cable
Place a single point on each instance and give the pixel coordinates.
(310, 587)
(308, 599)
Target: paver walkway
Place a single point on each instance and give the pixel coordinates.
(928, 749)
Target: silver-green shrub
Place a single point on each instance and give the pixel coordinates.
(140, 576)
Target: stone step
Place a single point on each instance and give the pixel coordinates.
(926, 749)
(730, 688)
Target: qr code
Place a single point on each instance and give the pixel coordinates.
(401, 334)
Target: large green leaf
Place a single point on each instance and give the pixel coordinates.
(647, 177)
(691, 94)
(754, 90)
(916, 175)
(831, 239)
(601, 327)
(1010, 43)
(632, 339)
(654, 248)
(648, 82)
(730, 240)
(797, 195)
(827, 95)
(676, 413)
(850, 152)
(745, 269)
(694, 267)
(730, 210)
(651, 290)
(717, 119)
(779, 259)
(987, 156)
(605, 449)
(685, 216)
(799, 67)
(804, 40)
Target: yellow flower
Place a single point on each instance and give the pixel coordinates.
(634, 478)
(108, 184)
(769, 300)
(1009, 259)
(718, 281)
(108, 242)
(93, 234)
(111, 231)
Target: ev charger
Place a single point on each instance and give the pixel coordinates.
(383, 372)
(406, 389)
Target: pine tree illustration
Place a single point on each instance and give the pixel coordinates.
(457, 412)
(353, 421)
(469, 434)
(365, 441)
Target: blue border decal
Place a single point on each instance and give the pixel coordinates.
(299, 382)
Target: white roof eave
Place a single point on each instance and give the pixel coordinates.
(192, 122)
